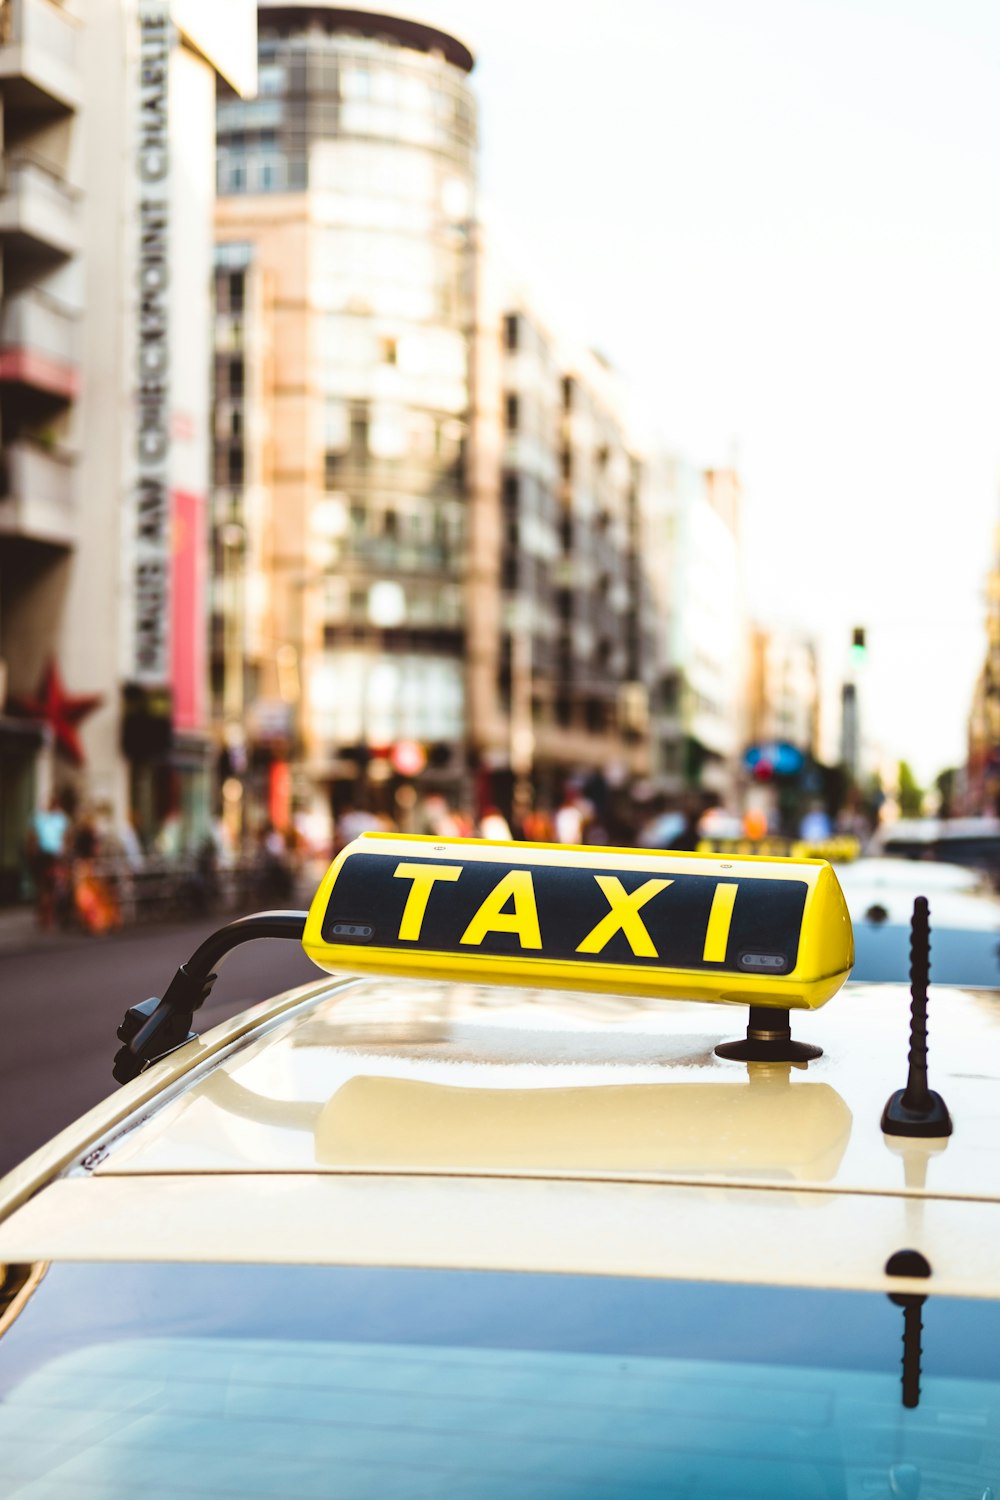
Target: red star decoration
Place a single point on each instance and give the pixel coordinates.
(62, 711)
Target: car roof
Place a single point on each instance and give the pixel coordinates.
(410, 1121)
(925, 876)
(927, 830)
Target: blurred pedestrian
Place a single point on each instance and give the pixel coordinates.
(275, 871)
(536, 826)
(493, 825)
(169, 841)
(95, 902)
(435, 817)
(48, 842)
(351, 822)
(755, 824)
(689, 837)
(815, 827)
(569, 819)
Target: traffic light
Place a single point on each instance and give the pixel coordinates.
(859, 649)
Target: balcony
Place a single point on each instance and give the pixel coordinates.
(38, 213)
(39, 71)
(36, 495)
(38, 345)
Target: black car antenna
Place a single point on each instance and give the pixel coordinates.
(917, 1110)
(155, 1027)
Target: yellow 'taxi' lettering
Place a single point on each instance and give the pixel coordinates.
(517, 886)
(423, 877)
(624, 914)
(719, 921)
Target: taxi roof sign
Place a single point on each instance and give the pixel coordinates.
(730, 929)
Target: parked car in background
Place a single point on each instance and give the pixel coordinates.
(973, 842)
(965, 917)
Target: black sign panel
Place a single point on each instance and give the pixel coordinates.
(651, 918)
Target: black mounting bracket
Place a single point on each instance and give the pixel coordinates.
(768, 1039)
(155, 1027)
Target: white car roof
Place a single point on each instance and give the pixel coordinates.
(406, 1121)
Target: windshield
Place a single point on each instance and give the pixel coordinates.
(314, 1381)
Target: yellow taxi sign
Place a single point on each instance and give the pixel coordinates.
(763, 932)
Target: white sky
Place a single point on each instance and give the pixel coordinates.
(781, 220)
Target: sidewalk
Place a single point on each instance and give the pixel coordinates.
(20, 932)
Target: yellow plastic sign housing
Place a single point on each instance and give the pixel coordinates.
(742, 931)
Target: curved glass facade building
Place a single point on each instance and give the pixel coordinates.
(344, 286)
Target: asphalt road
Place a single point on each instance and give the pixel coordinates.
(60, 1007)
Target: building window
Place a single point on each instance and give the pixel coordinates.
(336, 425)
(511, 491)
(235, 466)
(595, 715)
(359, 429)
(512, 407)
(233, 175)
(510, 331)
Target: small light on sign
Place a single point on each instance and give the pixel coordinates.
(769, 961)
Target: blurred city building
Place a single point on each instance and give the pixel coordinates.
(41, 237)
(783, 700)
(784, 777)
(406, 536)
(345, 270)
(692, 555)
(979, 787)
(560, 697)
(105, 236)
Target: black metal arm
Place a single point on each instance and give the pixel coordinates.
(155, 1027)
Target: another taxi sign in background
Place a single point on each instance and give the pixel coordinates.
(683, 926)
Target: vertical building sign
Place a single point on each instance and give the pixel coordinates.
(188, 669)
(152, 538)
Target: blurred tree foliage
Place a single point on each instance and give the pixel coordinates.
(911, 797)
(945, 783)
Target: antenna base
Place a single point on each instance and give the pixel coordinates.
(932, 1119)
(768, 1039)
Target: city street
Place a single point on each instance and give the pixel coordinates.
(60, 1006)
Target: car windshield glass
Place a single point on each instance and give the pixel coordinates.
(312, 1381)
